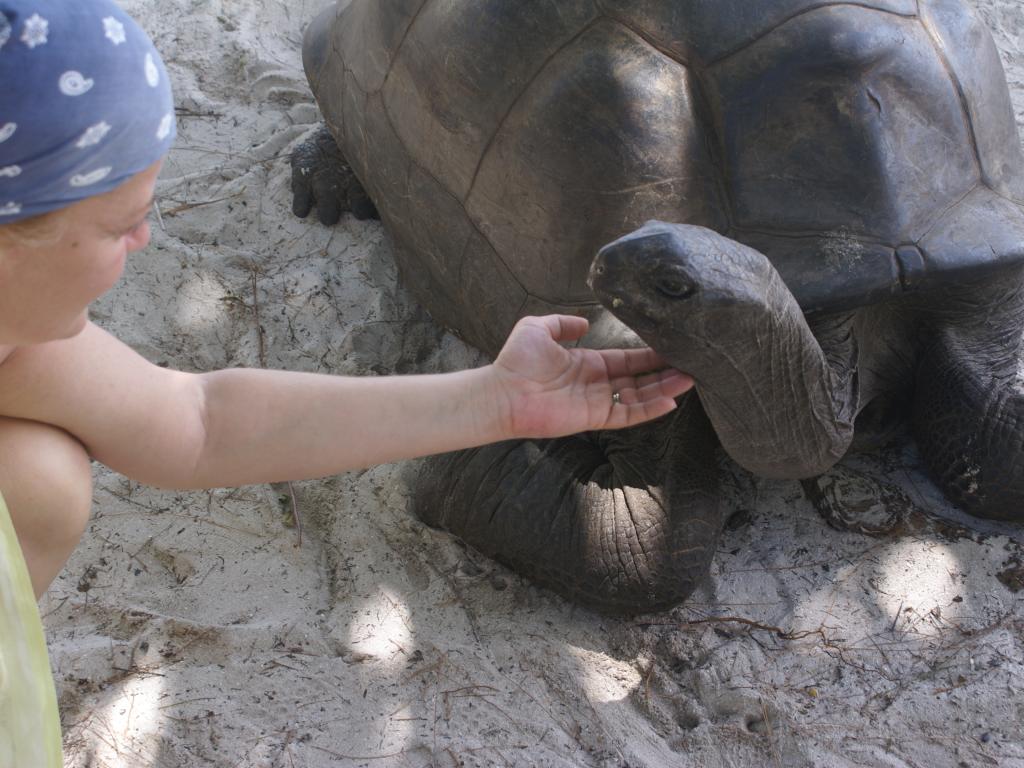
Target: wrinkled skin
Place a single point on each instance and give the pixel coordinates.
(845, 190)
(784, 395)
(621, 521)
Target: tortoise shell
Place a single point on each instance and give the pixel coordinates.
(866, 148)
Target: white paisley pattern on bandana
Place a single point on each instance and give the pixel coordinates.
(35, 31)
(165, 126)
(114, 30)
(85, 105)
(152, 73)
(75, 83)
(88, 179)
(94, 135)
(5, 30)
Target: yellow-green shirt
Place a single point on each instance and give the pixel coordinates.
(29, 725)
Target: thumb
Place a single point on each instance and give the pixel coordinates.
(562, 327)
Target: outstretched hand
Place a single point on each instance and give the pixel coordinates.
(547, 390)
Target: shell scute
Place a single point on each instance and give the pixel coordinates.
(702, 32)
(843, 118)
(447, 100)
(604, 139)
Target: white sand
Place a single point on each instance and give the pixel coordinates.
(191, 629)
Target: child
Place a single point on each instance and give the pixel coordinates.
(85, 117)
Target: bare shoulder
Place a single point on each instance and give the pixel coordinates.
(30, 375)
(75, 380)
(35, 385)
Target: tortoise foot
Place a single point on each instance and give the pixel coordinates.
(857, 496)
(855, 502)
(322, 177)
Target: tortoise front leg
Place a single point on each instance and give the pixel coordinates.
(969, 403)
(624, 522)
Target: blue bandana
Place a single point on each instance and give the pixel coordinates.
(85, 103)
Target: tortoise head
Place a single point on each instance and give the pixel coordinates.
(686, 289)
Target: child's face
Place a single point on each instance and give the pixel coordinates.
(45, 291)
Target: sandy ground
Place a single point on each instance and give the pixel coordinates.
(204, 629)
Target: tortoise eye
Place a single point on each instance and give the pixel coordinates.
(674, 286)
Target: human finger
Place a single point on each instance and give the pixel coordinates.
(667, 383)
(561, 327)
(627, 414)
(630, 362)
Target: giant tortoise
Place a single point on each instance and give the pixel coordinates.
(816, 208)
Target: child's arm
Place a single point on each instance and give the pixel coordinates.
(241, 426)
